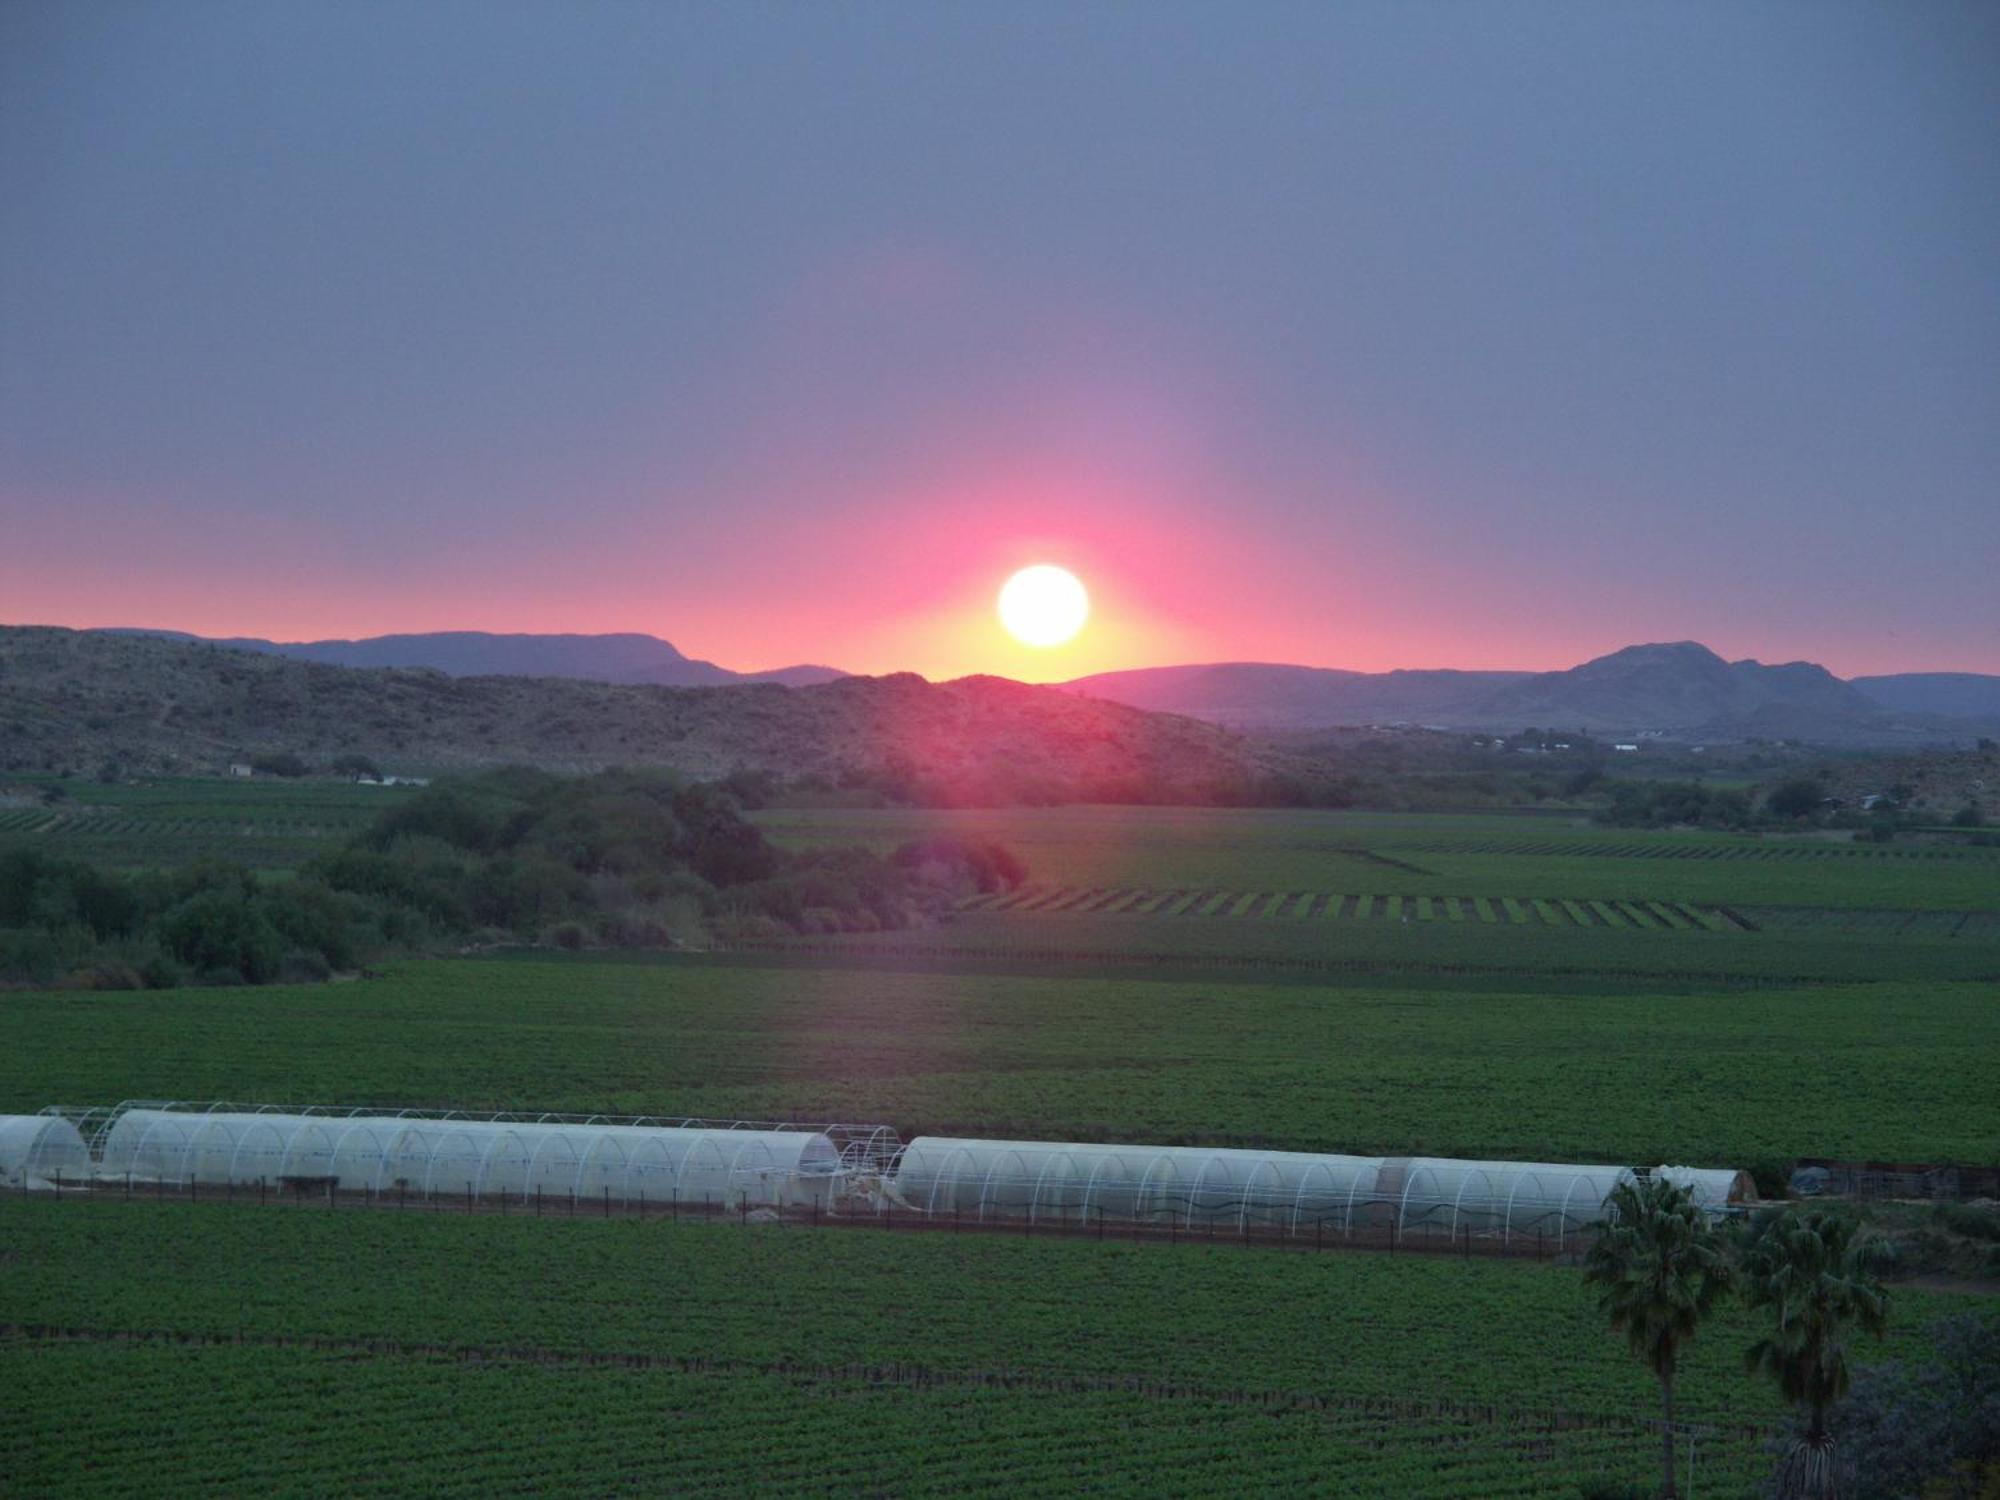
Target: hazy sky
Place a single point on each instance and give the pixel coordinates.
(1361, 335)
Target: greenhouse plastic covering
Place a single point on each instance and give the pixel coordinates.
(1194, 1185)
(513, 1158)
(41, 1148)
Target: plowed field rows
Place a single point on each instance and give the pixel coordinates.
(1622, 915)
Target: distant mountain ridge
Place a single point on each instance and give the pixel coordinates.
(1273, 696)
(1965, 695)
(1679, 688)
(79, 700)
(624, 658)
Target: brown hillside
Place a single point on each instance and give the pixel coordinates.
(74, 700)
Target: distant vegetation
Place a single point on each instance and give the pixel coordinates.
(621, 858)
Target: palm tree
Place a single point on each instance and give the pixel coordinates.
(1660, 1268)
(1816, 1275)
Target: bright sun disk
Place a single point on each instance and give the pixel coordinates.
(1043, 605)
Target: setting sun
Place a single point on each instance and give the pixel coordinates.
(1043, 605)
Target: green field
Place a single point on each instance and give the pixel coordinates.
(269, 824)
(421, 1351)
(1525, 987)
(1433, 854)
(1542, 899)
(1890, 1071)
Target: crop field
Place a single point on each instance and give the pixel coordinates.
(710, 1356)
(1614, 914)
(267, 824)
(1297, 905)
(337, 1420)
(1548, 857)
(1897, 1071)
(1545, 898)
(1504, 986)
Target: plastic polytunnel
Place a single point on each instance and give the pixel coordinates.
(1283, 1190)
(37, 1149)
(478, 1158)
(1072, 1180)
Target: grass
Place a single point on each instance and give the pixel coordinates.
(1902, 1071)
(862, 1358)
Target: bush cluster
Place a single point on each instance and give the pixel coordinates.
(64, 920)
(1670, 804)
(622, 858)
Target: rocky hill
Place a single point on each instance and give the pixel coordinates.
(77, 700)
(1685, 686)
(475, 653)
(1679, 689)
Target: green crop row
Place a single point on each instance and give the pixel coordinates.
(1613, 943)
(326, 1422)
(1041, 900)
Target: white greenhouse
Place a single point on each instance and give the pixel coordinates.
(39, 1149)
(1283, 1191)
(480, 1158)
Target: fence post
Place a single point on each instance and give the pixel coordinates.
(468, 1197)
(262, 1196)
(607, 1200)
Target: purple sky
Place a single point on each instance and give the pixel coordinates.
(1358, 335)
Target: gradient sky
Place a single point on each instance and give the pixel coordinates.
(1360, 335)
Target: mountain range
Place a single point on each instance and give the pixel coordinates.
(1677, 689)
(83, 700)
(628, 657)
